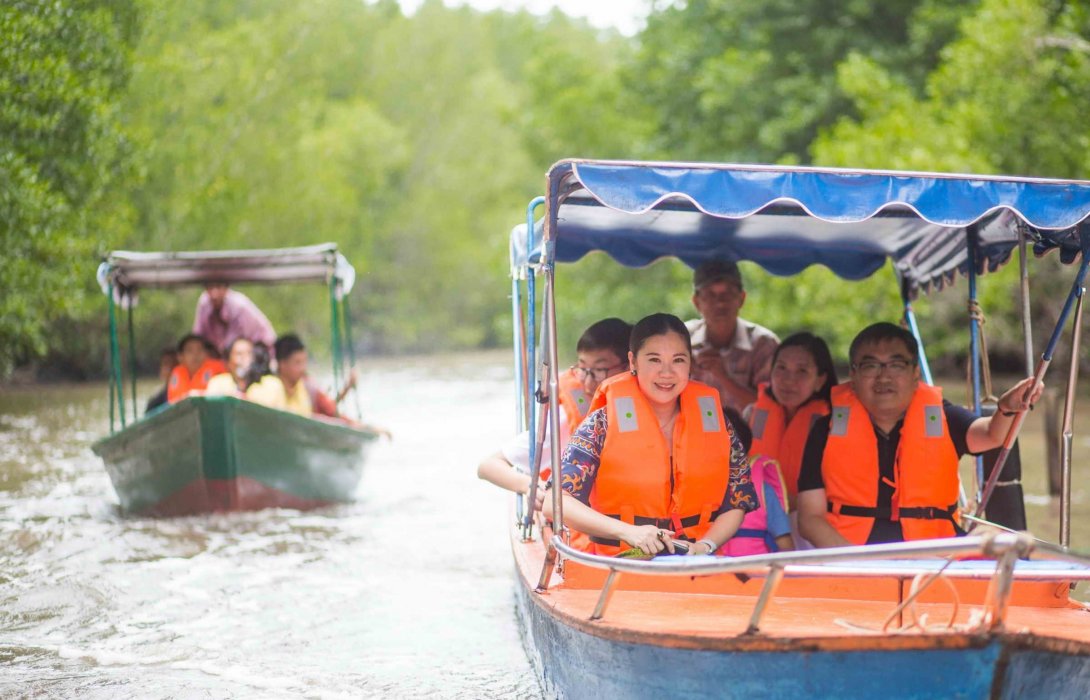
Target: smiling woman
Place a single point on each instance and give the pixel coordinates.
(655, 457)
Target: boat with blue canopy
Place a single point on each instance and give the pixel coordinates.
(222, 453)
(980, 616)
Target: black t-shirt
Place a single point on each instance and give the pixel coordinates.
(957, 418)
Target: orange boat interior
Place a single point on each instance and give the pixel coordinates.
(842, 606)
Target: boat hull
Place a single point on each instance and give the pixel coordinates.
(571, 663)
(698, 648)
(220, 453)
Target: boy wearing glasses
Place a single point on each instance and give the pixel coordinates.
(729, 353)
(602, 352)
(883, 466)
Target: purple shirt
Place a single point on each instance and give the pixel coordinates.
(237, 318)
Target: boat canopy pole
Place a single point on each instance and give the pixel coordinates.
(544, 400)
(531, 340)
(1023, 275)
(115, 365)
(517, 341)
(1042, 368)
(914, 328)
(554, 390)
(1068, 426)
(350, 347)
(974, 354)
(132, 358)
(335, 330)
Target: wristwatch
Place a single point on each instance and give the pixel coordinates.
(710, 543)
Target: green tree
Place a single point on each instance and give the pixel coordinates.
(1007, 97)
(64, 156)
(756, 81)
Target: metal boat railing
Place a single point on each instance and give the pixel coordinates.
(1006, 548)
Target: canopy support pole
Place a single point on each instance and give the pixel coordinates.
(517, 341)
(1023, 289)
(132, 359)
(115, 364)
(1068, 426)
(974, 353)
(351, 350)
(544, 400)
(531, 340)
(335, 330)
(914, 328)
(1042, 368)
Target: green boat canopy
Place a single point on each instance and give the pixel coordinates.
(128, 271)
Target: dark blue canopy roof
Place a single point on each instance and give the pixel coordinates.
(788, 218)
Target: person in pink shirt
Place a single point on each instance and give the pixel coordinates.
(224, 315)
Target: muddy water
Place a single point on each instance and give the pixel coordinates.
(405, 593)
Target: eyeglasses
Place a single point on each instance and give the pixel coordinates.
(726, 297)
(872, 368)
(600, 374)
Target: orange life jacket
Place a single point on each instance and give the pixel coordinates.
(573, 400)
(925, 481)
(181, 383)
(638, 481)
(776, 438)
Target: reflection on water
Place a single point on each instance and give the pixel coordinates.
(405, 593)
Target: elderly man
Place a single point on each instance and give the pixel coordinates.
(883, 466)
(224, 315)
(730, 353)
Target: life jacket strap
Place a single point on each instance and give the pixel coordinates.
(920, 513)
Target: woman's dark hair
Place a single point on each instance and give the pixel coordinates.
(608, 334)
(657, 324)
(260, 365)
(818, 350)
(741, 428)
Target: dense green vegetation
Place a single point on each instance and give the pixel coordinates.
(415, 142)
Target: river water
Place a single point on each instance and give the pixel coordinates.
(406, 593)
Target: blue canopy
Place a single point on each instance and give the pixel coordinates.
(787, 218)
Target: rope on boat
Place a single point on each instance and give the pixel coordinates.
(918, 621)
(977, 313)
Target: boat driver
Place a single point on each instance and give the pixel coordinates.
(883, 465)
(729, 353)
(224, 314)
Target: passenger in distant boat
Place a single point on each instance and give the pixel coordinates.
(224, 314)
(302, 396)
(240, 354)
(731, 354)
(262, 386)
(195, 368)
(883, 466)
(767, 529)
(168, 360)
(655, 459)
(602, 351)
(301, 393)
(787, 405)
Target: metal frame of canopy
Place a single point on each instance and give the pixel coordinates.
(124, 273)
(932, 226)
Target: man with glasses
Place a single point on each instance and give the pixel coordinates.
(602, 352)
(729, 353)
(883, 466)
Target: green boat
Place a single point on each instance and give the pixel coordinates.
(221, 453)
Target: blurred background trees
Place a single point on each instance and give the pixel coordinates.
(415, 143)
